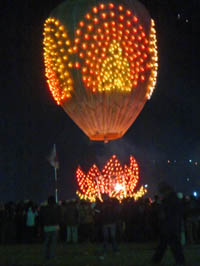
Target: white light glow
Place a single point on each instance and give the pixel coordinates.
(118, 187)
(195, 194)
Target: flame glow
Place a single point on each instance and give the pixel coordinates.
(113, 180)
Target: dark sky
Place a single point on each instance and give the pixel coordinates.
(167, 128)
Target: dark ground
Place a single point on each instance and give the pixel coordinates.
(88, 255)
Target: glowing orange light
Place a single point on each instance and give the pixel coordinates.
(84, 69)
(99, 30)
(78, 31)
(128, 12)
(90, 27)
(112, 14)
(88, 16)
(87, 62)
(114, 180)
(134, 30)
(135, 19)
(77, 40)
(128, 23)
(81, 23)
(101, 6)
(96, 20)
(103, 15)
(135, 83)
(111, 5)
(84, 46)
(77, 65)
(75, 49)
(95, 10)
(86, 36)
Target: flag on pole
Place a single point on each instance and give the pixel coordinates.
(53, 158)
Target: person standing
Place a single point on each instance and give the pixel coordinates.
(86, 219)
(31, 215)
(50, 218)
(110, 216)
(72, 220)
(170, 217)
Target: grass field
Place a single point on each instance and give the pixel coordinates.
(88, 255)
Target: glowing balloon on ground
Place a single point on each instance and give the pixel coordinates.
(101, 63)
(114, 180)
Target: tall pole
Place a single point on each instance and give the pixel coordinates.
(56, 187)
(53, 160)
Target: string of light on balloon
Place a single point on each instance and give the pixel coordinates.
(56, 59)
(111, 48)
(154, 64)
(113, 180)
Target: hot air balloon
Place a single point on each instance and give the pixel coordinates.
(101, 63)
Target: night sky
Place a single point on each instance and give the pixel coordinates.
(31, 122)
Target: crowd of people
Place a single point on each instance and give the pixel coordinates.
(75, 221)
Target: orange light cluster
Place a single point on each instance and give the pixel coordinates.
(114, 49)
(114, 180)
(111, 50)
(154, 57)
(56, 59)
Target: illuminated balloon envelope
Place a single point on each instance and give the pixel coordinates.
(101, 63)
